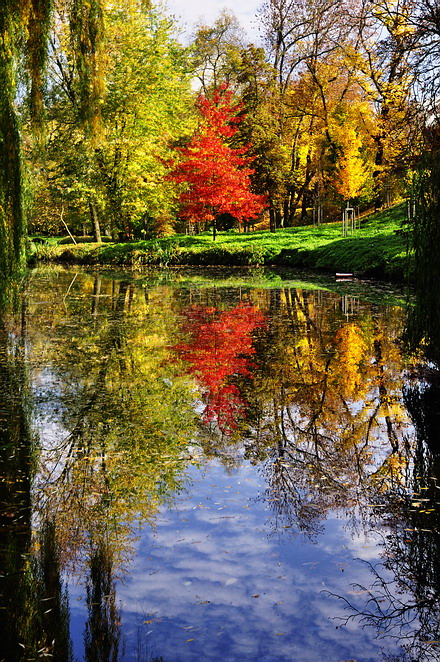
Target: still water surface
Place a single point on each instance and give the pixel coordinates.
(195, 468)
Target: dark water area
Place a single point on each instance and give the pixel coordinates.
(232, 467)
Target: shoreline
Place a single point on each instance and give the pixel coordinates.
(379, 250)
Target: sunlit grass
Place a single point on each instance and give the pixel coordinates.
(378, 248)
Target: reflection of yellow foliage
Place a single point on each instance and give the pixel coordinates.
(391, 471)
(351, 348)
(128, 411)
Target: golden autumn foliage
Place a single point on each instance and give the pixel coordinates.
(350, 350)
(351, 172)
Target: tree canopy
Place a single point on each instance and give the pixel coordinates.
(216, 176)
(110, 126)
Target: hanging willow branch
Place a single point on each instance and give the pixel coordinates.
(24, 32)
(24, 27)
(87, 30)
(424, 317)
(38, 26)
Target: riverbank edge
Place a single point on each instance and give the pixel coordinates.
(379, 249)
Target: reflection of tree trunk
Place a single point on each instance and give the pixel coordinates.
(291, 311)
(15, 500)
(77, 443)
(304, 307)
(102, 633)
(55, 616)
(274, 303)
(130, 296)
(96, 295)
(383, 397)
(33, 612)
(95, 221)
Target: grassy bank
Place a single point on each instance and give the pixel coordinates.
(378, 249)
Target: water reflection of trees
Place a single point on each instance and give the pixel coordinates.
(404, 595)
(34, 618)
(403, 599)
(325, 406)
(219, 350)
(312, 389)
(320, 398)
(126, 416)
(103, 626)
(122, 422)
(329, 420)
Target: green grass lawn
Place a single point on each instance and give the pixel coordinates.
(378, 248)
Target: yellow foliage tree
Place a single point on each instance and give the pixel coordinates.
(351, 172)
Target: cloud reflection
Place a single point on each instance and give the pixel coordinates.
(210, 583)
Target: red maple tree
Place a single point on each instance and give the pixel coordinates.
(216, 176)
(220, 349)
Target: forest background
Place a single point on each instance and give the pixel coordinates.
(101, 107)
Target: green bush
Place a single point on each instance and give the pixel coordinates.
(42, 252)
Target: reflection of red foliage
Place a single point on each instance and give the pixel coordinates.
(220, 348)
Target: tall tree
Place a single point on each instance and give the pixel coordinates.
(351, 173)
(313, 81)
(214, 175)
(386, 56)
(24, 27)
(216, 51)
(108, 162)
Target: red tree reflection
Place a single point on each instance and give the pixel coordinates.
(220, 348)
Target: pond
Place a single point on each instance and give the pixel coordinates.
(211, 466)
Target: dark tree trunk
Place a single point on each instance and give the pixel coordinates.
(272, 219)
(95, 222)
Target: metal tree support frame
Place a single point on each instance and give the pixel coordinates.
(318, 212)
(348, 220)
(410, 208)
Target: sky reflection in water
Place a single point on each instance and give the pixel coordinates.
(213, 583)
(259, 436)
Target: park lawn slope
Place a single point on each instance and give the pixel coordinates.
(378, 248)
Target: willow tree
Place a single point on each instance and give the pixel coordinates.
(86, 23)
(24, 30)
(424, 318)
(24, 26)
